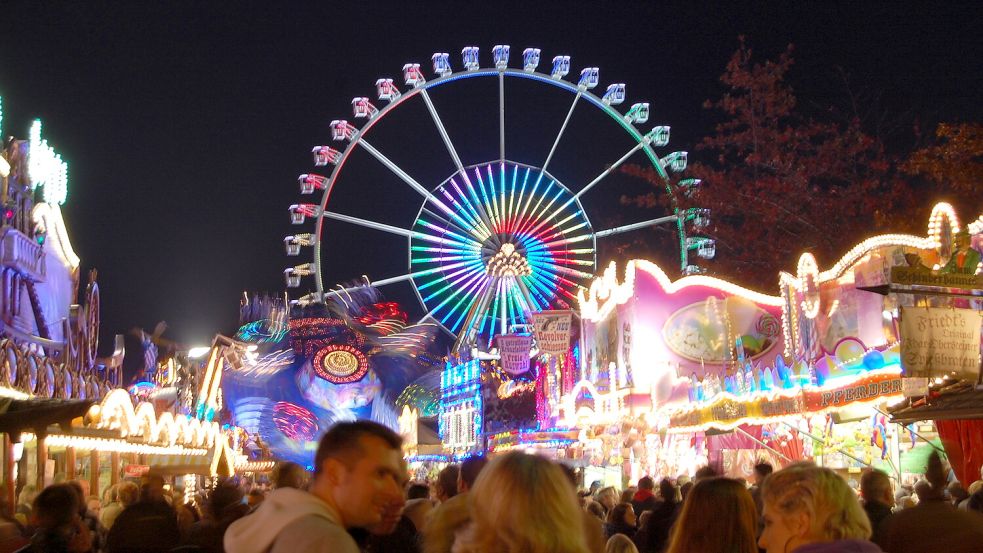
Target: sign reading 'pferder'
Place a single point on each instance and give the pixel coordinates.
(936, 341)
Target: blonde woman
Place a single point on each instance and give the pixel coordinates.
(523, 504)
(808, 509)
(619, 543)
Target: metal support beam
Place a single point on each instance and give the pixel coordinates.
(634, 226)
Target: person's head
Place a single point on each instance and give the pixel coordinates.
(957, 493)
(923, 490)
(907, 502)
(225, 502)
(417, 490)
(761, 471)
(446, 485)
(80, 493)
(620, 543)
(288, 475)
(93, 505)
(607, 497)
(255, 497)
(667, 490)
(128, 493)
(718, 515)
(646, 483)
(704, 472)
(527, 505)
(470, 469)
(974, 487)
(806, 504)
(875, 486)
(685, 489)
(628, 494)
(597, 484)
(57, 506)
(358, 470)
(596, 509)
(622, 513)
(975, 502)
(152, 488)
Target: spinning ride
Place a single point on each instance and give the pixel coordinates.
(498, 238)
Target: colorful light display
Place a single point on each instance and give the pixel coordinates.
(497, 239)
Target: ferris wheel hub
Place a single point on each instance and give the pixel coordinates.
(508, 263)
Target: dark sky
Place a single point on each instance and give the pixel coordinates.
(185, 124)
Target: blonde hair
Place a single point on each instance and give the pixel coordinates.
(527, 505)
(620, 543)
(718, 515)
(833, 508)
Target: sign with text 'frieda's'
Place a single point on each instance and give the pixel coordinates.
(552, 331)
(938, 340)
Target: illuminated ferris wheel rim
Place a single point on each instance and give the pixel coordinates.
(458, 75)
(419, 86)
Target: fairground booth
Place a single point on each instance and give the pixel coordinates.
(663, 376)
(64, 414)
(679, 374)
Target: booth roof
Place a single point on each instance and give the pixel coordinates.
(35, 415)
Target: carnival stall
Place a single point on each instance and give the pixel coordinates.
(700, 370)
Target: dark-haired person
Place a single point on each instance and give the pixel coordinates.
(59, 527)
(147, 526)
(878, 499)
(654, 534)
(452, 514)
(934, 524)
(644, 499)
(358, 474)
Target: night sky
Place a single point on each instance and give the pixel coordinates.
(185, 124)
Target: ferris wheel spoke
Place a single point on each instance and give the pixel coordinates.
(524, 209)
(538, 208)
(501, 116)
(441, 130)
(382, 282)
(370, 224)
(607, 171)
(563, 128)
(489, 199)
(405, 177)
(477, 312)
(478, 228)
(634, 226)
(465, 289)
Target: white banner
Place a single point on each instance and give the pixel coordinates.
(514, 352)
(553, 331)
(937, 340)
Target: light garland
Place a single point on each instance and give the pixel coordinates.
(46, 168)
(190, 488)
(116, 412)
(808, 284)
(114, 445)
(606, 292)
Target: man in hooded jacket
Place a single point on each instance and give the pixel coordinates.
(357, 475)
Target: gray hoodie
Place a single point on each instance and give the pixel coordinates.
(290, 521)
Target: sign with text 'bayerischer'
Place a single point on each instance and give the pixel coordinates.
(514, 352)
(937, 341)
(553, 331)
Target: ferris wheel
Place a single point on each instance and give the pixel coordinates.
(498, 238)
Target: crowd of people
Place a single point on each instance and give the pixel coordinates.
(359, 500)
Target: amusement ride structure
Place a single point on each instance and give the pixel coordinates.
(498, 238)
